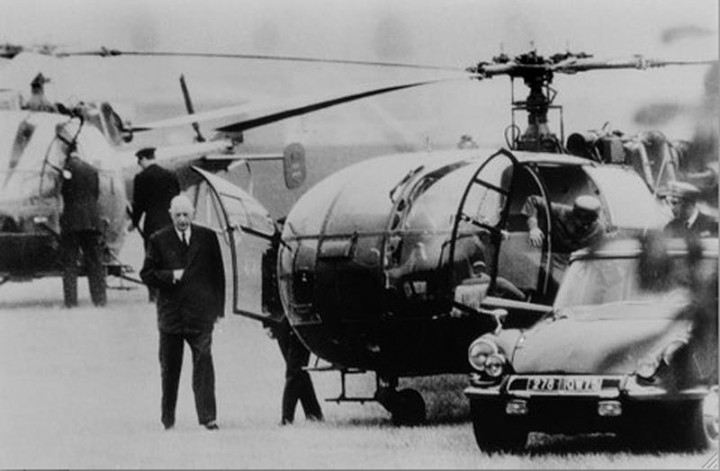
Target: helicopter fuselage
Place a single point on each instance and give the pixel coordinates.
(373, 257)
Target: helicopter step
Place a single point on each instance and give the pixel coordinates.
(406, 406)
(122, 272)
(342, 397)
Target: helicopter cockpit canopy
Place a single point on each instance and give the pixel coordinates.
(29, 157)
(33, 149)
(360, 198)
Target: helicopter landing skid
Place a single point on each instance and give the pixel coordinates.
(406, 406)
(343, 397)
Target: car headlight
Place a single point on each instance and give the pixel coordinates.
(495, 365)
(479, 352)
(486, 357)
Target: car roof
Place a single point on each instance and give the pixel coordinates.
(630, 248)
(552, 159)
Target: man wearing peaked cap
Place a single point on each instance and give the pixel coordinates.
(687, 218)
(153, 189)
(37, 100)
(572, 228)
(586, 206)
(39, 81)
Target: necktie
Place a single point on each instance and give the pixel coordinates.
(184, 239)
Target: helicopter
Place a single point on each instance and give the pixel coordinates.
(376, 265)
(36, 144)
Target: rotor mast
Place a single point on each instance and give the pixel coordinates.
(537, 136)
(537, 75)
(537, 72)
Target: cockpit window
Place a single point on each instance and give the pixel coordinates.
(435, 203)
(429, 180)
(22, 138)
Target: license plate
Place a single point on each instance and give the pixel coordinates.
(564, 383)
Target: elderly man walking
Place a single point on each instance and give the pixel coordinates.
(183, 262)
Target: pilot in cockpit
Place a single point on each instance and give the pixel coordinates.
(472, 291)
(504, 288)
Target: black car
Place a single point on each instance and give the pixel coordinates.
(630, 347)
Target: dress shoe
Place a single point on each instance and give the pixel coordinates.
(212, 425)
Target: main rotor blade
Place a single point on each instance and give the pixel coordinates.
(240, 118)
(572, 66)
(103, 52)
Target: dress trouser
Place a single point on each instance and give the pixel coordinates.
(90, 242)
(298, 384)
(152, 291)
(203, 376)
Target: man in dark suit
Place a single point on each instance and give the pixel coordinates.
(687, 218)
(298, 384)
(183, 262)
(81, 230)
(153, 188)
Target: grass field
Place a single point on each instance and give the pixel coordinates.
(80, 389)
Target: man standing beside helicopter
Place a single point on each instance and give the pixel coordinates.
(298, 384)
(687, 218)
(81, 230)
(572, 228)
(37, 100)
(153, 189)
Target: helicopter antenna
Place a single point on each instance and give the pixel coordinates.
(190, 109)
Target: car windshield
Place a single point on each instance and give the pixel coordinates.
(612, 280)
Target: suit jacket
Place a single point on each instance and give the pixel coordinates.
(703, 226)
(153, 188)
(270, 294)
(80, 197)
(194, 303)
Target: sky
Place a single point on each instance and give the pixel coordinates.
(454, 33)
(424, 29)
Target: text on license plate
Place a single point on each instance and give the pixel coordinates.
(565, 383)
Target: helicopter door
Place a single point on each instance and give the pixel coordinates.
(526, 266)
(244, 228)
(482, 250)
(479, 220)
